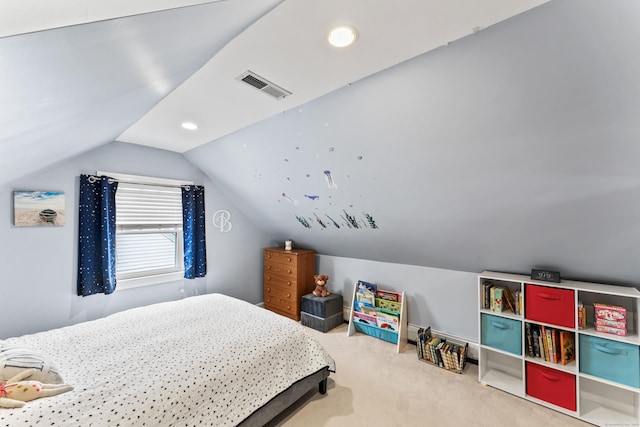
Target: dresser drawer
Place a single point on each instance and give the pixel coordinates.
(281, 281)
(551, 385)
(283, 301)
(501, 333)
(611, 360)
(550, 305)
(287, 270)
(271, 257)
(279, 292)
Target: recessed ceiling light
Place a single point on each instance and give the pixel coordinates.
(343, 36)
(189, 125)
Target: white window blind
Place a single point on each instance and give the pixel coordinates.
(148, 231)
(148, 204)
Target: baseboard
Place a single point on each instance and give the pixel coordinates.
(412, 335)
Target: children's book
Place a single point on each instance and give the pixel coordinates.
(366, 294)
(364, 318)
(387, 321)
(567, 342)
(389, 295)
(509, 300)
(498, 301)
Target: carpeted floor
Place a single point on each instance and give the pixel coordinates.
(375, 386)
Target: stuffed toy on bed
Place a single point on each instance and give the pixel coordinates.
(15, 392)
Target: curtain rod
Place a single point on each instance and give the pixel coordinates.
(94, 178)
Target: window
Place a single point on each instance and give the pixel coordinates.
(149, 242)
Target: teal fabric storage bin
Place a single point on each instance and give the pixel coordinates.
(374, 331)
(611, 360)
(502, 333)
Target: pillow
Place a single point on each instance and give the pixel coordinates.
(14, 360)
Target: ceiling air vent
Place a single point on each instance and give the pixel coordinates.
(264, 85)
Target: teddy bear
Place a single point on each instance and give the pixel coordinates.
(15, 392)
(320, 289)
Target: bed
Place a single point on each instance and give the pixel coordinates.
(207, 360)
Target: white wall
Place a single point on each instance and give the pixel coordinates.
(446, 300)
(39, 264)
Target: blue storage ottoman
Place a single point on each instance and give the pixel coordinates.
(321, 313)
(322, 306)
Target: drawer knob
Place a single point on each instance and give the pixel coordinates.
(288, 307)
(288, 271)
(289, 259)
(289, 295)
(289, 283)
(268, 267)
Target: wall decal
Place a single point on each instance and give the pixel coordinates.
(322, 224)
(290, 199)
(222, 220)
(303, 221)
(335, 224)
(359, 157)
(34, 208)
(370, 220)
(330, 182)
(349, 221)
(311, 197)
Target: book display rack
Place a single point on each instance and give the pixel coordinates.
(570, 346)
(379, 313)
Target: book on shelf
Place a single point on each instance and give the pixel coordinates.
(508, 299)
(388, 304)
(557, 348)
(387, 320)
(362, 317)
(567, 344)
(366, 294)
(529, 336)
(535, 336)
(582, 315)
(496, 299)
(389, 296)
(545, 343)
(550, 350)
(486, 294)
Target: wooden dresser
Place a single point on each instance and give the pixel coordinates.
(288, 275)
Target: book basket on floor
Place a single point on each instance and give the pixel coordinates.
(443, 352)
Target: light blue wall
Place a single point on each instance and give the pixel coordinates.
(38, 264)
(446, 300)
(514, 148)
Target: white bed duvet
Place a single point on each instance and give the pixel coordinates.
(210, 360)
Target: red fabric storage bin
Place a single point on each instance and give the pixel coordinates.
(551, 385)
(550, 305)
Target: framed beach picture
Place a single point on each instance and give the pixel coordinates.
(38, 208)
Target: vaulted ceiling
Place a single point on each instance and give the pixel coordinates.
(82, 73)
(454, 134)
